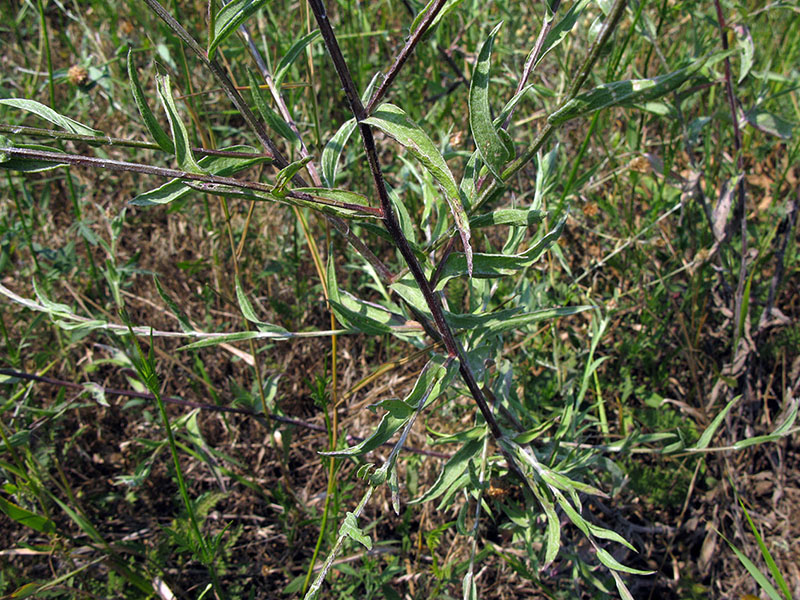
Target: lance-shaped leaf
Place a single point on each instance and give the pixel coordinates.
(452, 471)
(333, 150)
(605, 557)
(430, 384)
(510, 319)
(316, 202)
(153, 126)
(708, 434)
(553, 533)
(445, 10)
(27, 518)
(180, 137)
(223, 166)
(395, 123)
(292, 54)
(183, 320)
(516, 217)
(285, 175)
(215, 339)
(624, 93)
(250, 314)
(767, 122)
(47, 113)
(273, 119)
(365, 316)
(496, 265)
(228, 20)
(492, 148)
(561, 29)
(25, 165)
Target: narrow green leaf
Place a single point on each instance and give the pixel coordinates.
(561, 29)
(744, 41)
(26, 517)
(393, 121)
(605, 557)
(333, 150)
(430, 384)
(276, 333)
(767, 122)
(183, 320)
(510, 105)
(273, 119)
(496, 265)
(47, 113)
(291, 55)
(180, 137)
(153, 126)
(285, 175)
(492, 149)
(388, 426)
(755, 573)
(773, 568)
(624, 592)
(228, 20)
(350, 529)
(224, 166)
(504, 320)
(250, 315)
(24, 165)
(445, 10)
(553, 535)
(624, 93)
(452, 471)
(708, 434)
(4, 143)
(516, 217)
(468, 181)
(343, 197)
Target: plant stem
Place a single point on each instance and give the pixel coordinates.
(404, 55)
(112, 141)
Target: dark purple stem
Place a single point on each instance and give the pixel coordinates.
(404, 55)
(393, 226)
(737, 140)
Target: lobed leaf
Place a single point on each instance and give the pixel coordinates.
(351, 529)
